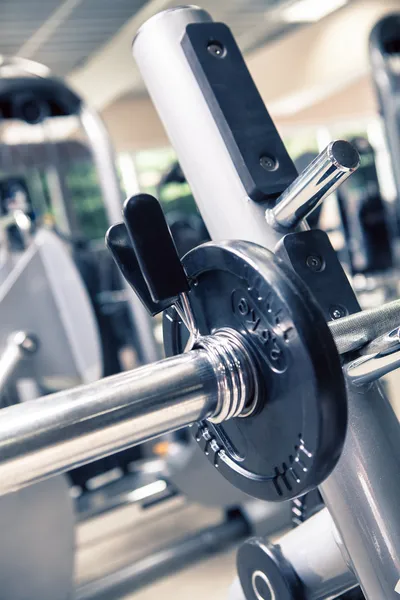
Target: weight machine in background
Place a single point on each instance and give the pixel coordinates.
(66, 319)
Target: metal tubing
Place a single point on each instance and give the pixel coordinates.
(166, 561)
(363, 491)
(322, 177)
(62, 431)
(354, 331)
(208, 167)
(104, 158)
(362, 494)
(382, 357)
(19, 346)
(315, 554)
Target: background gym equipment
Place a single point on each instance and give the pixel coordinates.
(52, 328)
(384, 51)
(257, 347)
(365, 219)
(51, 142)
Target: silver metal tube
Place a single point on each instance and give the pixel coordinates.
(19, 346)
(313, 550)
(104, 158)
(208, 167)
(363, 491)
(354, 331)
(382, 357)
(62, 431)
(322, 177)
(362, 494)
(103, 155)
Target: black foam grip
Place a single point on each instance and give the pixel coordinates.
(119, 243)
(154, 247)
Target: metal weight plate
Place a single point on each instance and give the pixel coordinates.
(294, 438)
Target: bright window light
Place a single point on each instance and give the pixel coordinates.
(309, 11)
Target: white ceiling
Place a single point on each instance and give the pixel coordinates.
(301, 71)
(65, 34)
(113, 62)
(61, 33)
(315, 75)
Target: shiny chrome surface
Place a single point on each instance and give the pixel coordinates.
(55, 433)
(322, 176)
(237, 388)
(313, 551)
(358, 329)
(20, 345)
(379, 358)
(59, 432)
(362, 494)
(363, 491)
(184, 310)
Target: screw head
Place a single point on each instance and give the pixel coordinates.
(217, 49)
(337, 312)
(268, 163)
(315, 263)
(27, 342)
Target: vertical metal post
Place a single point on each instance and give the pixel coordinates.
(59, 200)
(104, 158)
(208, 167)
(363, 492)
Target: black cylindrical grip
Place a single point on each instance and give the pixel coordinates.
(154, 247)
(119, 243)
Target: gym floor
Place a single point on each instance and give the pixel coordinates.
(216, 574)
(113, 540)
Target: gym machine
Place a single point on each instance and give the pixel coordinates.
(50, 341)
(384, 49)
(367, 252)
(271, 360)
(46, 130)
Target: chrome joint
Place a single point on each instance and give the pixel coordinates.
(235, 372)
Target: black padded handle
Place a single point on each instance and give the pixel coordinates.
(154, 248)
(119, 243)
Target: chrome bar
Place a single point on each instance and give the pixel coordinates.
(358, 329)
(381, 357)
(56, 433)
(322, 177)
